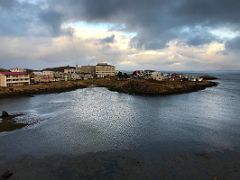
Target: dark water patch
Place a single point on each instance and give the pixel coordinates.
(128, 165)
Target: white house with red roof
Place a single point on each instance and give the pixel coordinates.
(10, 79)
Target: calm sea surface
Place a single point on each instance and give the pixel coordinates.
(95, 119)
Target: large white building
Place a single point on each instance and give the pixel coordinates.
(105, 70)
(9, 79)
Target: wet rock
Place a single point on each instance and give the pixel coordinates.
(5, 114)
(7, 174)
(203, 155)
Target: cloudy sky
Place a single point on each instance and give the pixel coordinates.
(131, 34)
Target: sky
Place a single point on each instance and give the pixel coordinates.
(174, 35)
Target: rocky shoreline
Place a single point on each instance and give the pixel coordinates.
(30, 90)
(138, 87)
(143, 87)
(8, 123)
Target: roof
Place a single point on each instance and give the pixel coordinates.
(13, 73)
(149, 70)
(103, 64)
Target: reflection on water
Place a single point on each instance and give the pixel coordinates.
(95, 119)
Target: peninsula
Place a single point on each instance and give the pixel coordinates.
(130, 86)
(25, 82)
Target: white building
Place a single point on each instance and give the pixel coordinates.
(43, 77)
(158, 76)
(148, 74)
(47, 76)
(10, 79)
(71, 74)
(105, 70)
(69, 71)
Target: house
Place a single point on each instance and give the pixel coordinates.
(148, 74)
(59, 76)
(48, 76)
(43, 76)
(158, 76)
(138, 74)
(71, 74)
(10, 79)
(105, 70)
(37, 76)
(86, 70)
(69, 70)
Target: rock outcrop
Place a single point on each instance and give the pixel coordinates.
(5, 114)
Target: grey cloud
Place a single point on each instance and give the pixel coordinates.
(233, 44)
(17, 18)
(198, 36)
(52, 19)
(28, 19)
(209, 12)
(109, 39)
(7, 3)
(155, 21)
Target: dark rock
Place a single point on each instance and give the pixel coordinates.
(203, 155)
(5, 114)
(7, 174)
(207, 77)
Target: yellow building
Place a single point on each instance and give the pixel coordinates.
(105, 70)
(87, 70)
(9, 79)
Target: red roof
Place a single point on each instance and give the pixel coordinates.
(13, 73)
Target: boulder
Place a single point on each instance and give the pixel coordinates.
(5, 114)
(6, 174)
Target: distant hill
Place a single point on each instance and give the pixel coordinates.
(60, 69)
(2, 70)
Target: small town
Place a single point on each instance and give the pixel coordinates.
(20, 77)
(119, 90)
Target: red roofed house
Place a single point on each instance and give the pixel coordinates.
(9, 79)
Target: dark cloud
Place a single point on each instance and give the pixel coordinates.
(209, 12)
(158, 21)
(52, 19)
(197, 36)
(18, 19)
(155, 21)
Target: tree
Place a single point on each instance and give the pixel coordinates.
(119, 75)
(125, 75)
